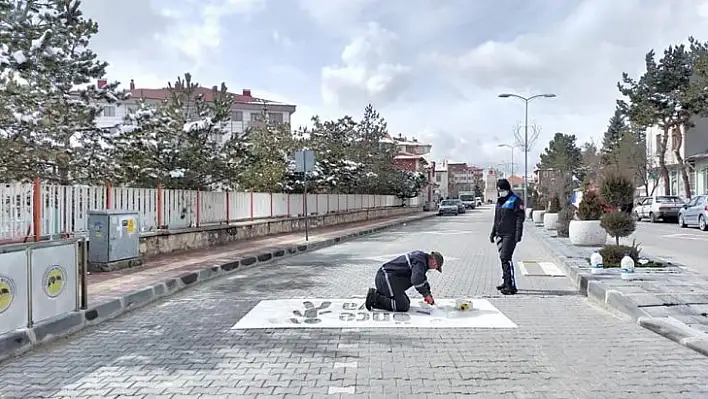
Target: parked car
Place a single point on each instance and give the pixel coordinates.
(695, 213)
(460, 205)
(662, 207)
(448, 207)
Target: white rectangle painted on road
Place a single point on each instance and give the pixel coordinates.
(685, 236)
(551, 269)
(351, 313)
(542, 269)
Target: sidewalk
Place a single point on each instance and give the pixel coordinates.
(108, 286)
(670, 301)
(113, 293)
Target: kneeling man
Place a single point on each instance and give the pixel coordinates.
(398, 275)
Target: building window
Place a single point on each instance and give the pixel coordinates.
(438, 178)
(109, 111)
(256, 117)
(276, 117)
(236, 116)
(657, 150)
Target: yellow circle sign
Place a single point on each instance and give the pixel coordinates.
(54, 281)
(7, 293)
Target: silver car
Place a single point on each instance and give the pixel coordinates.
(695, 213)
(448, 207)
(658, 207)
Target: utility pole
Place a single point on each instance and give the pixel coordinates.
(526, 134)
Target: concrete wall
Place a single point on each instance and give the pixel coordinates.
(154, 244)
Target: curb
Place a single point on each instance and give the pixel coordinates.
(596, 288)
(16, 343)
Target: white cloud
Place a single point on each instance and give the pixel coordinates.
(366, 72)
(433, 69)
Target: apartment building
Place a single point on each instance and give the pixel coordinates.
(693, 147)
(246, 110)
(463, 177)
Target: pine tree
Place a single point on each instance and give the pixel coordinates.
(43, 59)
(564, 156)
(380, 175)
(178, 142)
(334, 144)
(270, 148)
(615, 130)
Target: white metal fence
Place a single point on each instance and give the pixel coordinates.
(62, 210)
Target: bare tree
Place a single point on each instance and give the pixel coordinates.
(592, 161)
(534, 133)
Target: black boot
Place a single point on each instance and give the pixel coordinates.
(500, 286)
(508, 287)
(370, 299)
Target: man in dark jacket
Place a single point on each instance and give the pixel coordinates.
(398, 275)
(507, 230)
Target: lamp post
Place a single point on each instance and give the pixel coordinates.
(512, 155)
(526, 101)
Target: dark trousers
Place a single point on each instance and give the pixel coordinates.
(391, 293)
(506, 245)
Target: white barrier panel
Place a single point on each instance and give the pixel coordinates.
(13, 291)
(54, 274)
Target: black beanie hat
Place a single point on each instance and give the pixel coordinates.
(503, 184)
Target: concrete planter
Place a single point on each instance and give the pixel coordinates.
(587, 233)
(538, 216)
(550, 220)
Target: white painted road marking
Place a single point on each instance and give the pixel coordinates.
(522, 267)
(551, 269)
(685, 236)
(351, 313)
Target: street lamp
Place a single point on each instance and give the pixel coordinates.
(512, 155)
(526, 134)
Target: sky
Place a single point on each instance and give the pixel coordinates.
(432, 68)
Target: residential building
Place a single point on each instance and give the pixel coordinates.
(410, 156)
(544, 179)
(463, 177)
(410, 153)
(246, 109)
(517, 184)
(693, 147)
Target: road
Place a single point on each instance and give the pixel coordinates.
(185, 346)
(670, 242)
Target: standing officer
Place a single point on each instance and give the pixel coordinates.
(398, 275)
(507, 231)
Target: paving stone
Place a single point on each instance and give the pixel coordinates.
(564, 346)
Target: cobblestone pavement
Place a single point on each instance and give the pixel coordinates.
(183, 346)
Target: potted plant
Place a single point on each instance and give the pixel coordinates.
(565, 216)
(587, 231)
(539, 208)
(550, 218)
